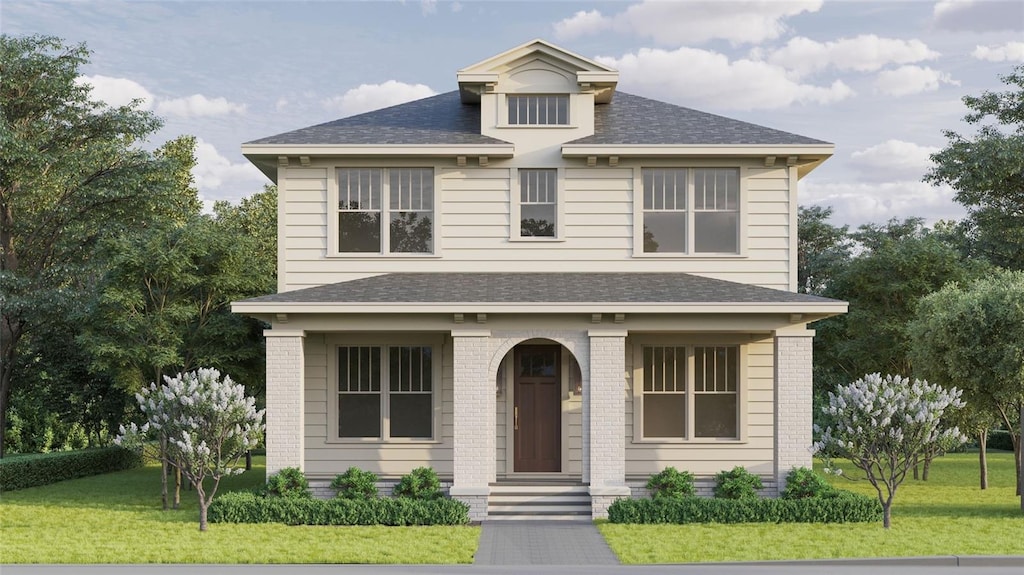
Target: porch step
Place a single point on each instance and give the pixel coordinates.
(522, 501)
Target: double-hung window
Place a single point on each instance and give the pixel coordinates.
(538, 110)
(688, 391)
(385, 210)
(385, 392)
(538, 203)
(691, 211)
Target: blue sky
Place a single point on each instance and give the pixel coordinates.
(879, 79)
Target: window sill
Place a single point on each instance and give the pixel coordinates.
(399, 256)
(680, 256)
(701, 441)
(378, 442)
(536, 240)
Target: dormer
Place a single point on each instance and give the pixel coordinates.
(535, 87)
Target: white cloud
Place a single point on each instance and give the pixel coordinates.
(198, 105)
(688, 23)
(281, 104)
(860, 203)
(893, 160)
(907, 80)
(978, 15)
(117, 91)
(428, 7)
(710, 79)
(1011, 51)
(864, 53)
(375, 96)
(456, 7)
(212, 171)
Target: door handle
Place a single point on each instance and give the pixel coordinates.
(515, 425)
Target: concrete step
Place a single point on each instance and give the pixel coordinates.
(507, 489)
(519, 498)
(544, 509)
(566, 518)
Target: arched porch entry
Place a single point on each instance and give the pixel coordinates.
(539, 410)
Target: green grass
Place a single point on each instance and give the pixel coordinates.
(947, 515)
(116, 518)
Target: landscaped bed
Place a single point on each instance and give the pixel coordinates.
(116, 518)
(947, 515)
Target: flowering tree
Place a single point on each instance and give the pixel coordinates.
(883, 424)
(208, 423)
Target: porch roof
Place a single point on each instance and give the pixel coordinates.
(540, 288)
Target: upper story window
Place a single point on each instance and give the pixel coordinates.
(533, 110)
(692, 211)
(386, 210)
(538, 203)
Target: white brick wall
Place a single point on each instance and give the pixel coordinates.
(793, 409)
(607, 411)
(474, 411)
(285, 400)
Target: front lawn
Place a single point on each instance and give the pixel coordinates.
(948, 515)
(116, 518)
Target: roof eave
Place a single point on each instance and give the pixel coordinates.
(806, 157)
(817, 309)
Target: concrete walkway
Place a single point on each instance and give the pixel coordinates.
(542, 543)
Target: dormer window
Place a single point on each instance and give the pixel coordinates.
(538, 110)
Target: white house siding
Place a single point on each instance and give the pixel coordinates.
(474, 219)
(325, 459)
(705, 459)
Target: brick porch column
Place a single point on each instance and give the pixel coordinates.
(285, 401)
(793, 401)
(605, 401)
(474, 440)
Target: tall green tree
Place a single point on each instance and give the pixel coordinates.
(822, 248)
(896, 264)
(987, 171)
(972, 335)
(72, 173)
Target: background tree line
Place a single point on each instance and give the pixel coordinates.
(111, 275)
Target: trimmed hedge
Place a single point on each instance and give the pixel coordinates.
(837, 507)
(45, 468)
(999, 439)
(248, 507)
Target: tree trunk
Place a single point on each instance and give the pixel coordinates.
(1019, 470)
(203, 506)
(1016, 458)
(927, 466)
(177, 487)
(163, 471)
(887, 515)
(248, 460)
(9, 336)
(983, 458)
(916, 469)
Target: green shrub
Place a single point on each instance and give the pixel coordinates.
(355, 484)
(43, 469)
(999, 439)
(737, 484)
(248, 507)
(671, 483)
(421, 483)
(803, 482)
(840, 507)
(289, 483)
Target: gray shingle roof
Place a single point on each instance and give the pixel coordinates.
(512, 288)
(628, 119)
(441, 119)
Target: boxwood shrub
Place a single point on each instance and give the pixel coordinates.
(46, 468)
(249, 507)
(835, 507)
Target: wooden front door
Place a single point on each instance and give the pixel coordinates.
(537, 420)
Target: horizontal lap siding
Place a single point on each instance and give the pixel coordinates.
(475, 221)
(388, 459)
(756, 454)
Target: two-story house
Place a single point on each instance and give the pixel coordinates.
(538, 282)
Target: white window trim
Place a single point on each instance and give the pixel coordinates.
(502, 109)
(385, 240)
(384, 341)
(515, 210)
(638, 215)
(689, 343)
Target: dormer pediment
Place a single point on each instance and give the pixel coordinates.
(537, 67)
